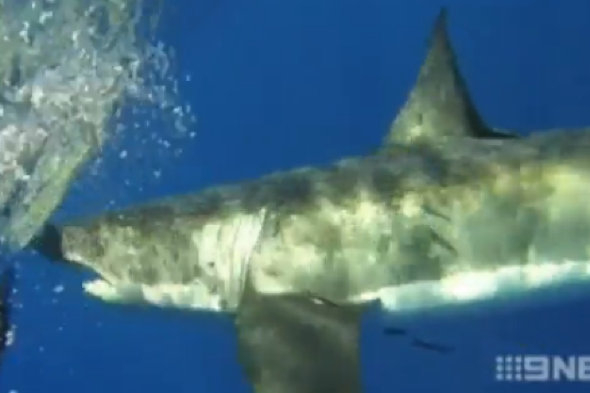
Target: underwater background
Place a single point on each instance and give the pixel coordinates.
(280, 84)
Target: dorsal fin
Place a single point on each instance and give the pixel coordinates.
(439, 104)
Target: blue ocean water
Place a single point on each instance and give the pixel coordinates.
(276, 85)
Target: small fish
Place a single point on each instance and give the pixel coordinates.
(390, 331)
(417, 342)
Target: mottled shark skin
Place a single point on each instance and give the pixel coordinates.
(448, 212)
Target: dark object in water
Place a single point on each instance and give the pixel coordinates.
(417, 342)
(301, 343)
(6, 287)
(431, 346)
(48, 243)
(295, 344)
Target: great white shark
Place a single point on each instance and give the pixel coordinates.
(447, 212)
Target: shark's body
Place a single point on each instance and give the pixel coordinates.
(449, 210)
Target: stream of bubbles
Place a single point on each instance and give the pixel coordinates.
(68, 68)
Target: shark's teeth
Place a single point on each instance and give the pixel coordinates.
(162, 295)
(504, 284)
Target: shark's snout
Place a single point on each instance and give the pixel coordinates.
(130, 276)
(68, 244)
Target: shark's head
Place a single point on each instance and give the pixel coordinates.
(134, 268)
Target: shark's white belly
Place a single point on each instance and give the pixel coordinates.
(505, 284)
(161, 295)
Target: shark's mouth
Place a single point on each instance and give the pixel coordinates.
(196, 295)
(507, 284)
